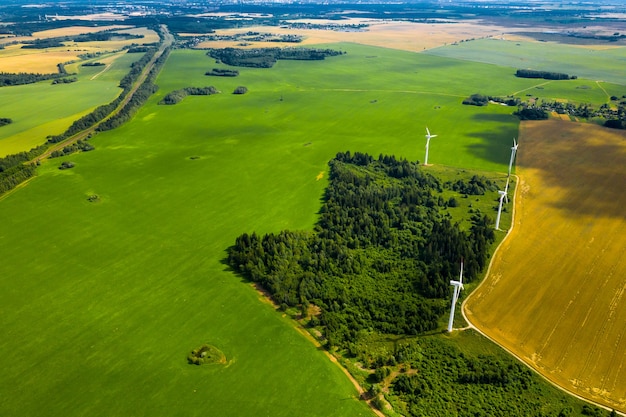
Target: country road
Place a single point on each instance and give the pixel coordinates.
(168, 39)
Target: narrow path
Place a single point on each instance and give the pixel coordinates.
(608, 97)
(531, 87)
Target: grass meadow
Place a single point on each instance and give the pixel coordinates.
(43, 109)
(589, 62)
(102, 300)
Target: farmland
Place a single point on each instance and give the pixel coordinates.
(136, 278)
(118, 266)
(35, 108)
(556, 287)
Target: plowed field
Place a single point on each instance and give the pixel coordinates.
(556, 292)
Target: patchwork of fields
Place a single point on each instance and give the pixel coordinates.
(555, 293)
(105, 296)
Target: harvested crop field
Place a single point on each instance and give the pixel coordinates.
(556, 292)
(405, 36)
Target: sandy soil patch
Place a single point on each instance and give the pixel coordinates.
(556, 294)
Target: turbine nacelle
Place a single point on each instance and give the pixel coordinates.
(428, 135)
(457, 284)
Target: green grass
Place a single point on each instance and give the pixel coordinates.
(43, 109)
(585, 62)
(102, 301)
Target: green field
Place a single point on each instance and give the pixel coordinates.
(102, 300)
(43, 109)
(593, 63)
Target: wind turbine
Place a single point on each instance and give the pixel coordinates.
(503, 195)
(428, 138)
(458, 286)
(513, 152)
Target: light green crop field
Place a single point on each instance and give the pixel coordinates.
(101, 301)
(593, 63)
(43, 109)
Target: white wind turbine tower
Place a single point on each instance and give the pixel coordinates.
(513, 152)
(428, 138)
(458, 286)
(503, 195)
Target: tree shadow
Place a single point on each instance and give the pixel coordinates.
(496, 139)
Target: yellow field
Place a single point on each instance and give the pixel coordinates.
(14, 59)
(556, 292)
(397, 35)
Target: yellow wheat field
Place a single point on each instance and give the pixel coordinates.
(556, 292)
(15, 59)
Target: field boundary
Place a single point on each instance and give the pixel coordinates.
(519, 358)
(267, 298)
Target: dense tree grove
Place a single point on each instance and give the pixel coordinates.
(476, 100)
(219, 72)
(530, 113)
(177, 96)
(477, 185)
(5, 121)
(267, 57)
(448, 381)
(380, 258)
(547, 75)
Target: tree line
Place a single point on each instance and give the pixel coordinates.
(13, 168)
(10, 79)
(267, 57)
(380, 257)
(219, 72)
(547, 75)
(177, 96)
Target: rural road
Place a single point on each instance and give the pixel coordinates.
(168, 39)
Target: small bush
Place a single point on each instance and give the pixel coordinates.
(240, 90)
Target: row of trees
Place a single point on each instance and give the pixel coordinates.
(219, 72)
(547, 75)
(481, 100)
(9, 79)
(267, 57)
(12, 176)
(140, 96)
(177, 96)
(56, 42)
(78, 146)
(381, 256)
(13, 168)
